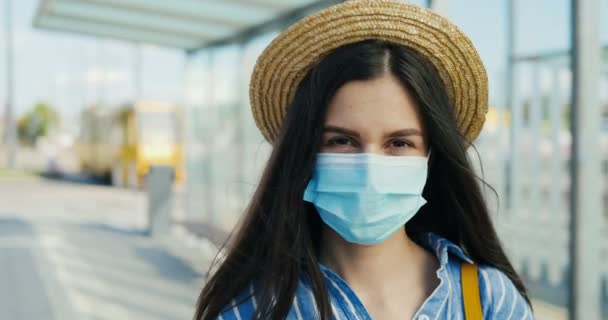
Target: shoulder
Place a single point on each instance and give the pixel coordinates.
(245, 304)
(500, 298)
(241, 307)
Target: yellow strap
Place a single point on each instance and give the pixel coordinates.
(470, 292)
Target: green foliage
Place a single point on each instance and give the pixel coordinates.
(38, 122)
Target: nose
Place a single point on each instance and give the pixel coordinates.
(373, 148)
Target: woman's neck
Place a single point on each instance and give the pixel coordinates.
(376, 267)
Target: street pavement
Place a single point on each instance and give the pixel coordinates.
(80, 251)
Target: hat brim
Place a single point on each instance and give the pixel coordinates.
(287, 59)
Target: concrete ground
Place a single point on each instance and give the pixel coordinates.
(77, 251)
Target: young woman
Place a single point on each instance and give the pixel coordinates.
(368, 206)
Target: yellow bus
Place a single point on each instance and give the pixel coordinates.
(122, 143)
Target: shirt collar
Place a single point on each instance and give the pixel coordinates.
(442, 248)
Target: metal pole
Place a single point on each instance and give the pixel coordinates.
(137, 72)
(556, 104)
(211, 214)
(102, 73)
(160, 200)
(533, 159)
(241, 132)
(9, 129)
(585, 202)
(511, 183)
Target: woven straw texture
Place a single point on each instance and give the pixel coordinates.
(287, 59)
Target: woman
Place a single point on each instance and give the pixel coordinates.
(368, 206)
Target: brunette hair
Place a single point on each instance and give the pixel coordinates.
(278, 238)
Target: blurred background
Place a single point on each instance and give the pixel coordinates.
(129, 151)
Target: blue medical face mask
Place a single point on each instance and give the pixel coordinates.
(366, 197)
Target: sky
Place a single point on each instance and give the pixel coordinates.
(70, 71)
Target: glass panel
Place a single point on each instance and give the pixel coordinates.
(255, 147)
(222, 132)
(197, 92)
(530, 174)
(224, 147)
(604, 147)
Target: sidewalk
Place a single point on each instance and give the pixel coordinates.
(63, 256)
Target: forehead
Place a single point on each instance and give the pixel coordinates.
(379, 103)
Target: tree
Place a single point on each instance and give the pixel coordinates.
(38, 122)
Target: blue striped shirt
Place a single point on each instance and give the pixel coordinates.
(499, 297)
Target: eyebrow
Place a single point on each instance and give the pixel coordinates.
(340, 130)
(398, 133)
(405, 133)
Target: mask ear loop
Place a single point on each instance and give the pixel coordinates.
(428, 160)
(428, 157)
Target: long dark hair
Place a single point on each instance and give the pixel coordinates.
(278, 238)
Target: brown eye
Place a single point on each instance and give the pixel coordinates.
(401, 144)
(340, 144)
(340, 141)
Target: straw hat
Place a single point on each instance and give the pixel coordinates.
(287, 59)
